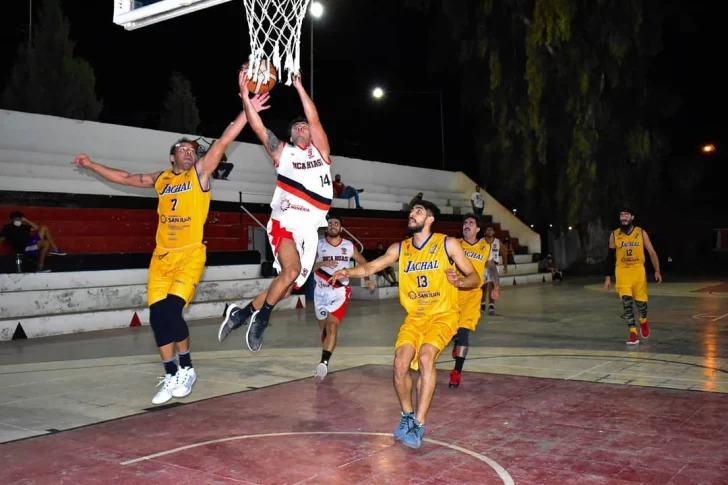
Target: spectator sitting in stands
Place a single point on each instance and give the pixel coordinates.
(27, 238)
(416, 198)
(388, 272)
(551, 267)
(343, 191)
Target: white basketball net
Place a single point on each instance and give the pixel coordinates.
(275, 35)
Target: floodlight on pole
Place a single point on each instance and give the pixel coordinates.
(378, 93)
(316, 10)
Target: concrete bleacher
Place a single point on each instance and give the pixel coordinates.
(48, 304)
(91, 216)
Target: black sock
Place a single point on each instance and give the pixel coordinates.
(325, 357)
(170, 367)
(244, 313)
(459, 361)
(185, 359)
(264, 313)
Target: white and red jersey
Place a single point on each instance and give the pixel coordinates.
(304, 188)
(495, 251)
(341, 254)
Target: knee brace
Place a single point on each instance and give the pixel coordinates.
(178, 327)
(628, 310)
(642, 308)
(461, 342)
(158, 322)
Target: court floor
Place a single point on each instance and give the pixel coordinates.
(550, 394)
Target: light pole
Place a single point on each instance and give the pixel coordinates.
(378, 93)
(316, 10)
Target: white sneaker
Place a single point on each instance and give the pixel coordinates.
(321, 371)
(168, 382)
(186, 377)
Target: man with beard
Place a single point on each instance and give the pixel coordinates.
(301, 201)
(332, 297)
(184, 194)
(428, 291)
(627, 253)
(477, 251)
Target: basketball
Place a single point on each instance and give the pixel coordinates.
(262, 79)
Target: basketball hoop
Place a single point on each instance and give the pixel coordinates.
(275, 36)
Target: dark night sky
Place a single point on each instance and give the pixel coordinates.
(358, 44)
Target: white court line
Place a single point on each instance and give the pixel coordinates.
(502, 472)
(589, 370)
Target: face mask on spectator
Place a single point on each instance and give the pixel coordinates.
(17, 223)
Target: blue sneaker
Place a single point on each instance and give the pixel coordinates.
(405, 423)
(232, 321)
(254, 336)
(413, 438)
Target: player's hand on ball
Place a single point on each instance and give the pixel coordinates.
(329, 264)
(371, 285)
(259, 101)
(82, 161)
(453, 277)
(243, 83)
(658, 277)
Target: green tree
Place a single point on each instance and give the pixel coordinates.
(179, 112)
(47, 78)
(566, 115)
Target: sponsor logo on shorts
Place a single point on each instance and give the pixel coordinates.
(287, 204)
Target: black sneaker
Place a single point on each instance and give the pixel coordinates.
(491, 309)
(231, 322)
(254, 336)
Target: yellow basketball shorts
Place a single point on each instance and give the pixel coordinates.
(436, 330)
(175, 272)
(469, 303)
(632, 282)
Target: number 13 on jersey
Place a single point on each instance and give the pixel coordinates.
(422, 282)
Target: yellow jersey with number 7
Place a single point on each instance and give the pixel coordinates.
(423, 286)
(182, 209)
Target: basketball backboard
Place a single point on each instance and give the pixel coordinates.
(135, 14)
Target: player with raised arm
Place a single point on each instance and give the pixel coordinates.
(332, 297)
(179, 257)
(300, 204)
(626, 257)
(428, 291)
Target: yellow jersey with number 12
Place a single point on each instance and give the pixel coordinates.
(424, 290)
(630, 248)
(183, 207)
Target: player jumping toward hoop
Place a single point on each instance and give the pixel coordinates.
(331, 298)
(184, 193)
(428, 291)
(300, 203)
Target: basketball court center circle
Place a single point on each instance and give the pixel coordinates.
(495, 466)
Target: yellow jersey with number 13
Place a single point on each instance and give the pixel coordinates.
(183, 207)
(630, 248)
(423, 286)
